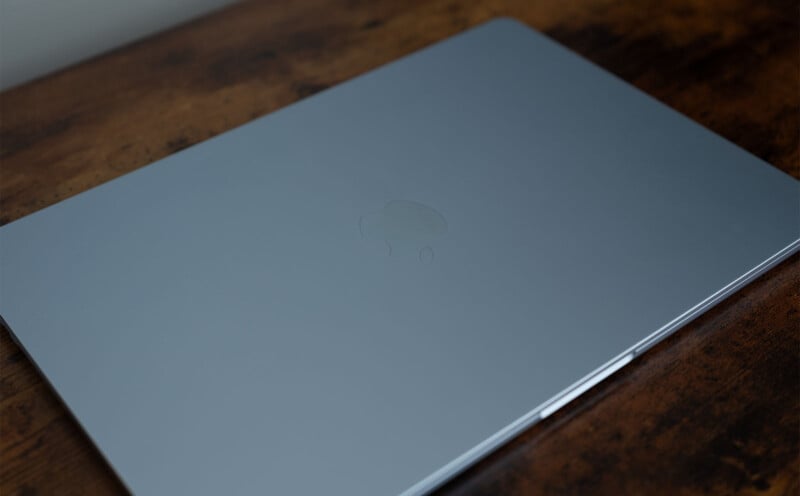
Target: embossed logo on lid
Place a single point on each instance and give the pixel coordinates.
(406, 223)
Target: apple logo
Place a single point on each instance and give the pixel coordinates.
(404, 223)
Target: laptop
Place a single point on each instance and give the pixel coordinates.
(367, 291)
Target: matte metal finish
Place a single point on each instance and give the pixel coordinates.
(385, 268)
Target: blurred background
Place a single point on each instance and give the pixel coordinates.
(40, 36)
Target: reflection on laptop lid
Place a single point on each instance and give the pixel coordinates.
(370, 289)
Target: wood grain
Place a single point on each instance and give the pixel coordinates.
(713, 410)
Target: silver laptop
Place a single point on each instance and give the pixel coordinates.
(369, 290)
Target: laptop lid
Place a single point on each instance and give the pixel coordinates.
(368, 290)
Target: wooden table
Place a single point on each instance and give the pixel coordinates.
(713, 409)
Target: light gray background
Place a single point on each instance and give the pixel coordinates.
(40, 36)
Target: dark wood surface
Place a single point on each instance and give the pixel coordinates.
(715, 409)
